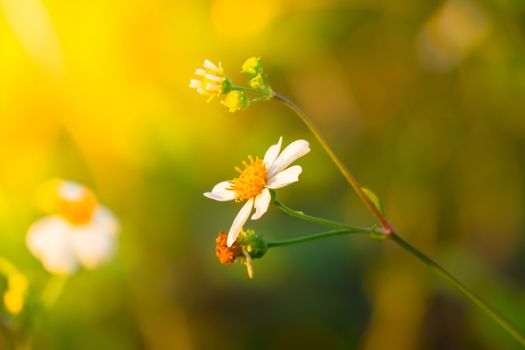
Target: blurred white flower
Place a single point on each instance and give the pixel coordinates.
(256, 180)
(80, 233)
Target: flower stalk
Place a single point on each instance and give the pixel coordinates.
(346, 173)
(237, 100)
(378, 233)
(476, 299)
(322, 221)
(314, 236)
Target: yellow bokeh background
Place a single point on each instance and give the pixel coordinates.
(423, 101)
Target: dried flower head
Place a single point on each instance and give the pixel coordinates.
(248, 246)
(225, 254)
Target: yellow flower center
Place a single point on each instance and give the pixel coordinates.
(251, 180)
(80, 210)
(73, 202)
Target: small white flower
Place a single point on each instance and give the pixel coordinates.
(256, 180)
(210, 81)
(81, 233)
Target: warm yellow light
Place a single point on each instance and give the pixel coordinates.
(242, 18)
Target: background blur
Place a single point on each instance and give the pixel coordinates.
(422, 100)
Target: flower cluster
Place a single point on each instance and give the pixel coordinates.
(78, 231)
(253, 185)
(212, 81)
(255, 181)
(254, 69)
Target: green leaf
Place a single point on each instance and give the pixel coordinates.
(373, 198)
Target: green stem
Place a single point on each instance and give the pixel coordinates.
(315, 236)
(346, 173)
(326, 222)
(379, 234)
(388, 230)
(496, 316)
(250, 89)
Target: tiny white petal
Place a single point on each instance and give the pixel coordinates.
(272, 153)
(291, 153)
(107, 220)
(209, 65)
(213, 87)
(49, 240)
(202, 91)
(200, 72)
(194, 83)
(221, 193)
(285, 177)
(212, 77)
(262, 202)
(239, 221)
(94, 243)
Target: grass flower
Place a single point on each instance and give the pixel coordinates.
(255, 181)
(79, 230)
(211, 80)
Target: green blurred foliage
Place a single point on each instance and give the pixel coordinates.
(422, 100)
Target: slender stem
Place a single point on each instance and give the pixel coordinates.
(503, 322)
(388, 230)
(314, 236)
(346, 173)
(326, 222)
(250, 89)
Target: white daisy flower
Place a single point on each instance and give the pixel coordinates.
(255, 181)
(211, 80)
(80, 233)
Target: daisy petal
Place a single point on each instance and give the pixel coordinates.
(272, 153)
(262, 202)
(221, 193)
(291, 153)
(195, 84)
(239, 221)
(285, 177)
(212, 77)
(106, 220)
(94, 243)
(49, 240)
(211, 66)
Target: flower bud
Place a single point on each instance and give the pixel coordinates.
(236, 101)
(252, 243)
(258, 82)
(252, 66)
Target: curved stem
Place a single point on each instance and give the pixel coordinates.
(314, 236)
(326, 222)
(496, 316)
(346, 173)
